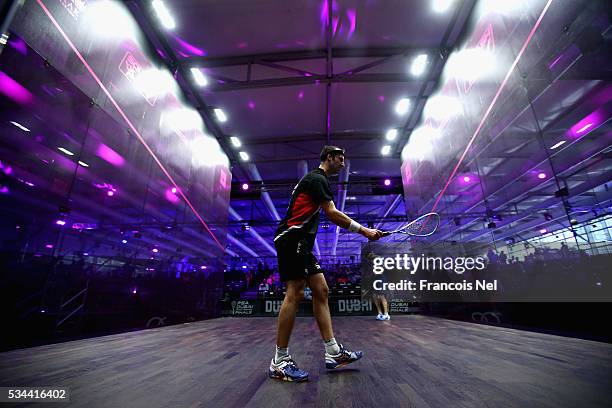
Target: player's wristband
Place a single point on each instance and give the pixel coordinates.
(355, 226)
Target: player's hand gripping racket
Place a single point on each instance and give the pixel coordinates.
(423, 226)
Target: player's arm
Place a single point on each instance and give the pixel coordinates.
(344, 221)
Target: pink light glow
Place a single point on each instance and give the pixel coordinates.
(301, 95)
(155, 250)
(381, 98)
(387, 182)
(110, 193)
(590, 122)
(14, 90)
(49, 246)
(171, 196)
(251, 105)
(543, 231)
(111, 156)
(243, 44)
(134, 291)
(60, 222)
(191, 49)
(352, 15)
(245, 186)
(542, 176)
(467, 179)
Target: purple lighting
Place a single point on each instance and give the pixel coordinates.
(543, 231)
(301, 95)
(542, 176)
(173, 190)
(590, 122)
(466, 179)
(155, 250)
(251, 105)
(245, 186)
(110, 193)
(203, 267)
(110, 155)
(60, 222)
(387, 182)
(49, 246)
(134, 291)
(14, 90)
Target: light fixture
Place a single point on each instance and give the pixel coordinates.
(245, 186)
(235, 141)
(558, 144)
(220, 115)
(173, 190)
(385, 150)
(199, 77)
(66, 151)
(244, 156)
(163, 14)
(387, 182)
(391, 134)
(542, 176)
(466, 179)
(419, 63)
(82, 163)
(440, 6)
(402, 106)
(20, 126)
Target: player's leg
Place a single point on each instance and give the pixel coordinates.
(282, 366)
(288, 310)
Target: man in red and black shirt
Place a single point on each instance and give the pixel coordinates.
(294, 240)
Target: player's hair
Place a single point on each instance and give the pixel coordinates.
(333, 150)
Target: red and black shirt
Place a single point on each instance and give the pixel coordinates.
(302, 218)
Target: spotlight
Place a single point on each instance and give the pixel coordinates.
(155, 250)
(391, 134)
(110, 193)
(385, 150)
(542, 176)
(235, 141)
(418, 65)
(61, 223)
(124, 241)
(221, 117)
(402, 107)
(173, 190)
(466, 179)
(199, 78)
(244, 156)
(543, 231)
(245, 186)
(387, 182)
(163, 14)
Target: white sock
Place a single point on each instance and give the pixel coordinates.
(331, 347)
(280, 354)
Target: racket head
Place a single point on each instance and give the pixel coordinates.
(423, 226)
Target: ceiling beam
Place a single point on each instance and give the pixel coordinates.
(315, 79)
(364, 52)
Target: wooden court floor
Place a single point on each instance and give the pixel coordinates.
(410, 361)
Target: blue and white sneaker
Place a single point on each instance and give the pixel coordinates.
(341, 359)
(386, 317)
(380, 317)
(287, 370)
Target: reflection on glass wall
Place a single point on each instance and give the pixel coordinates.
(513, 148)
(114, 198)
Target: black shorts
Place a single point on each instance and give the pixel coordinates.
(295, 259)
